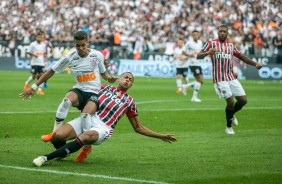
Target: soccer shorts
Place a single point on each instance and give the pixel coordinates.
(37, 69)
(103, 130)
(84, 97)
(182, 71)
(196, 70)
(226, 89)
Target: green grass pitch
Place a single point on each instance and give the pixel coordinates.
(202, 154)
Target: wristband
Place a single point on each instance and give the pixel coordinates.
(34, 86)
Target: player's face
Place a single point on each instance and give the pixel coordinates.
(125, 81)
(81, 47)
(180, 43)
(39, 38)
(222, 33)
(195, 35)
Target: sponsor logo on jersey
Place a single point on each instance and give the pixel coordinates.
(219, 55)
(114, 97)
(75, 58)
(93, 55)
(86, 77)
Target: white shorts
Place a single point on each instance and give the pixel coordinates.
(103, 130)
(226, 89)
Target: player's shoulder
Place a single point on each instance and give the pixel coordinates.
(96, 54)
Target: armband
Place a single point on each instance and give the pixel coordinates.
(34, 86)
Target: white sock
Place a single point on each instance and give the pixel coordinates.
(187, 80)
(29, 79)
(86, 121)
(178, 83)
(62, 113)
(189, 85)
(197, 87)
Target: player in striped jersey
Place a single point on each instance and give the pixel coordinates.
(114, 103)
(225, 83)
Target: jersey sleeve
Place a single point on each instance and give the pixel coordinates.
(63, 62)
(101, 65)
(206, 47)
(132, 111)
(31, 48)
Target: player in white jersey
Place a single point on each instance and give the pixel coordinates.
(36, 52)
(85, 65)
(181, 65)
(191, 49)
(114, 103)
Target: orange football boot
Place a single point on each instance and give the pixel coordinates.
(83, 154)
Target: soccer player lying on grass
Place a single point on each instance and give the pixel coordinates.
(113, 102)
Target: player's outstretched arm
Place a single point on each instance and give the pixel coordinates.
(30, 92)
(139, 128)
(109, 78)
(247, 60)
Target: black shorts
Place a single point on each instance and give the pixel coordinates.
(84, 97)
(37, 69)
(196, 70)
(182, 71)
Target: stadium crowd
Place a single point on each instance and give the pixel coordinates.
(147, 25)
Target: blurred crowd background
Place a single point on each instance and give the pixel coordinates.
(144, 25)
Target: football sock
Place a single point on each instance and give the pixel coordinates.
(58, 144)
(29, 79)
(86, 121)
(237, 107)
(178, 83)
(229, 115)
(197, 87)
(62, 112)
(189, 85)
(69, 148)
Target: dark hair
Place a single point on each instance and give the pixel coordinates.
(223, 26)
(80, 35)
(129, 73)
(195, 31)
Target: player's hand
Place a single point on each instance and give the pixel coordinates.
(212, 51)
(169, 138)
(258, 66)
(112, 79)
(27, 94)
(106, 63)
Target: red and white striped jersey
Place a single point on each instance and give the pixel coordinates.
(222, 65)
(113, 104)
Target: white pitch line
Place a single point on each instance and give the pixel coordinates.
(82, 174)
(149, 110)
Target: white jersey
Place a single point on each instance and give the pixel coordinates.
(38, 49)
(180, 63)
(192, 47)
(86, 71)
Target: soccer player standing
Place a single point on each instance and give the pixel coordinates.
(191, 49)
(225, 84)
(181, 65)
(37, 52)
(86, 66)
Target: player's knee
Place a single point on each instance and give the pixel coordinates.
(58, 136)
(67, 103)
(89, 137)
